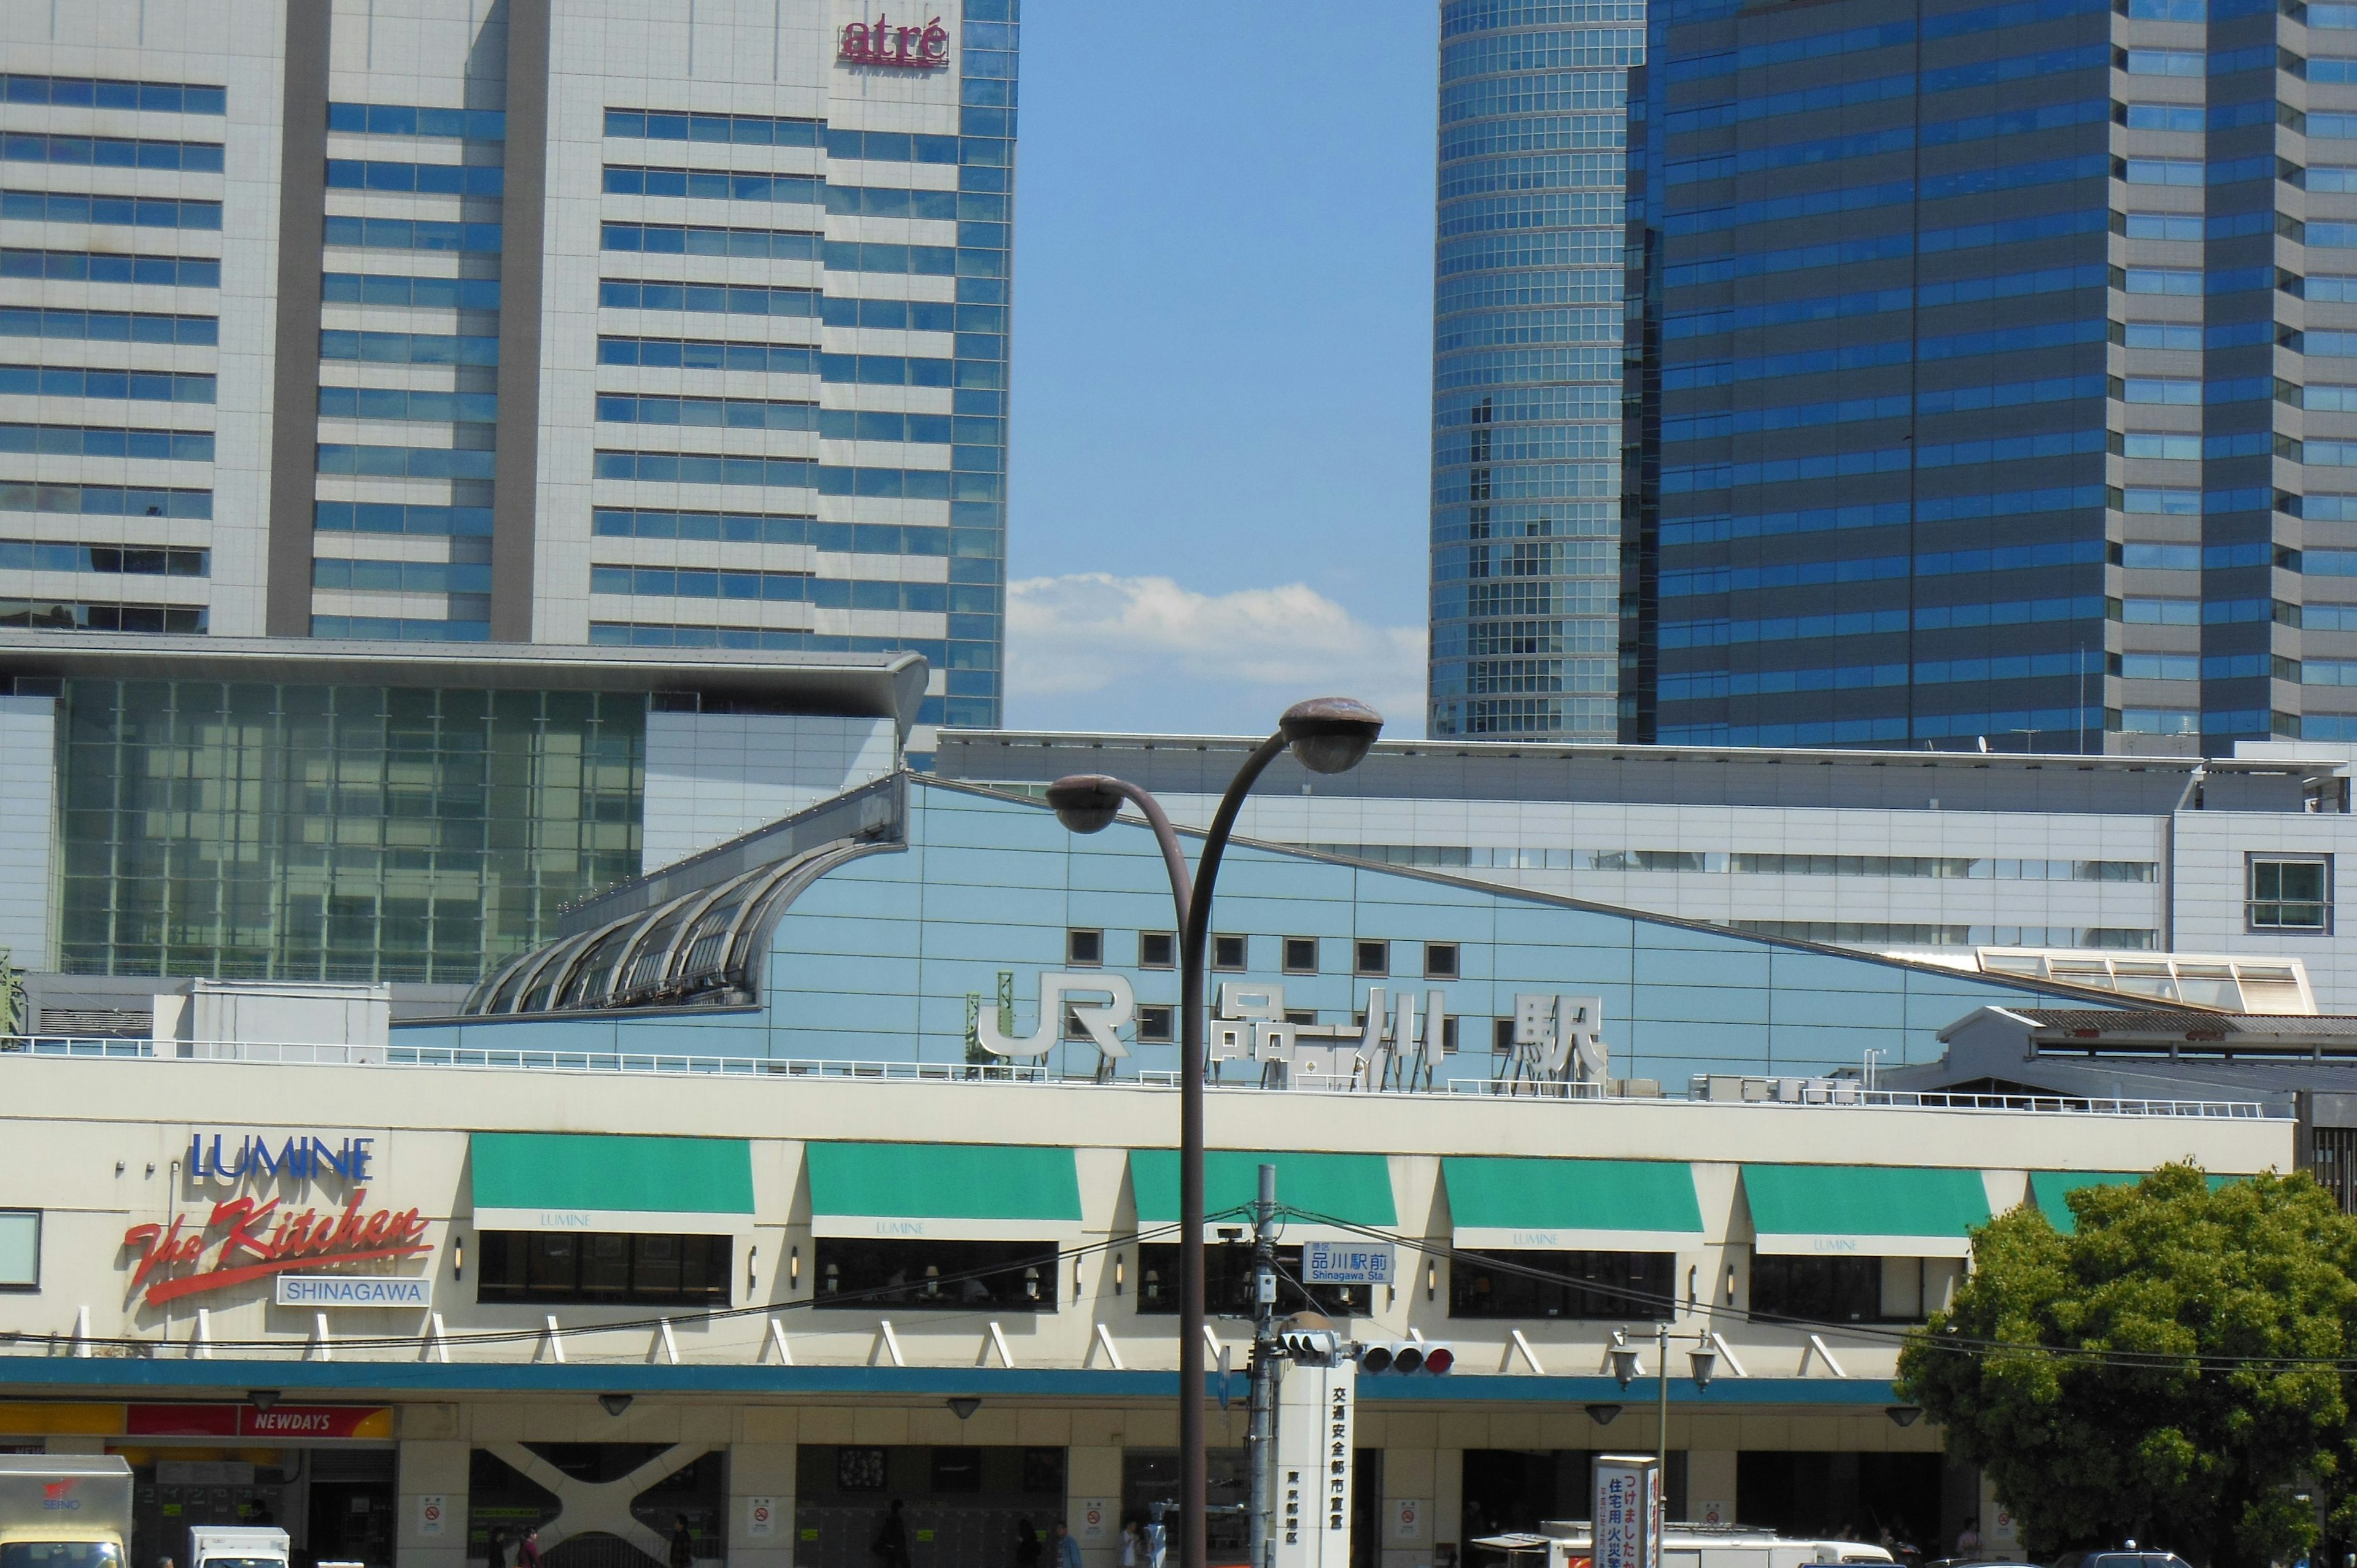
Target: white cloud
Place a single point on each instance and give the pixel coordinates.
(1091, 650)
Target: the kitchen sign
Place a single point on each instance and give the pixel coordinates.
(249, 1239)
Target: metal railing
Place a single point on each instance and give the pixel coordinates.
(1838, 1094)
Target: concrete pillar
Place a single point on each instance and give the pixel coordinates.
(430, 1517)
(1710, 1486)
(1448, 1504)
(1093, 1486)
(761, 1504)
(1406, 1516)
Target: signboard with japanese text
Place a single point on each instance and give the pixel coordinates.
(1628, 1516)
(1347, 1263)
(1317, 1414)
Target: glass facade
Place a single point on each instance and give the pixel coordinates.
(1526, 366)
(335, 833)
(1973, 398)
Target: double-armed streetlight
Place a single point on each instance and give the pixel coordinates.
(1326, 734)
(1628, 1366)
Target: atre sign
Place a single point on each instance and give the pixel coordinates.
(901, 47)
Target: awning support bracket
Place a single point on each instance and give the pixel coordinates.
(665, 1342)
(322, 1341)
(887, 1342)
(1726, 1354)
(998, 1341)
(553, 1338)
(1824, 1353)
(200, 1343)
(778, 1337)
(1105, 1340)
(1529, 1355)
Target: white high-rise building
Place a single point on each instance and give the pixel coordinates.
(536, 321)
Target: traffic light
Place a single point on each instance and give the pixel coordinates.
(1406, 1357)
(1313, 1346)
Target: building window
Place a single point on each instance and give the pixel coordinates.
(1440, 961)
(1301, 955)
(1839, 1290)
(1227, 952)
(1303, 1015)
(2291, 895)
(1083, 948)
(20, 1248)
(562, 1267)
(1153, 1024)
(1012, 1276)
(1073, 1028)
(1615, 1286)
(1502, 1035)
(1228, 1282)
(1371, 957)
(1157, 950)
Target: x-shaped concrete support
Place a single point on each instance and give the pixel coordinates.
(599, 1507)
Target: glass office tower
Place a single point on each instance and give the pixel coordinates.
(1986, 387)
(1526, 365)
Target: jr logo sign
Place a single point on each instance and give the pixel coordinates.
(1099, 1019)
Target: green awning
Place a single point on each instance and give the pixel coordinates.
(1866, 1210)
(2050, 1191)
(972, 1192)
(580, 1181)
(1603, 1206)
(1355, 1189)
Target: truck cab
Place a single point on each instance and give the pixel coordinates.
(64, 1510)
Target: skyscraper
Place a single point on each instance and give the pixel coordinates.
(1988, 390)
(546, 321)
(1526, 366)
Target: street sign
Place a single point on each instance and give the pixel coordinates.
(1347, 1263)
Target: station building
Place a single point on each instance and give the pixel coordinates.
(766, 1192)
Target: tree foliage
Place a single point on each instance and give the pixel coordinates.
(2153, 1374)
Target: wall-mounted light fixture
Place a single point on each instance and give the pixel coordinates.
(752, 1254)
(1431, 1278)
(963, 1405)
(1603, 1415)
(458, 1256)
(1120, 1273)
(1730, 1284)
(262, 1399)
(794, 1269)
(616, 1404)
(1904, 1414)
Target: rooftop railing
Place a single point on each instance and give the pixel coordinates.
(1810, 1092)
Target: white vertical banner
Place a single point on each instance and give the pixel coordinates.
(760, 1516)
(432, 1508)
(1096, 1519)
(1628, 1516)
(1317, 1418)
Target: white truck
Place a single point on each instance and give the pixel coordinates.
(1571, 1543)
(238, 1546)
(64, 1510)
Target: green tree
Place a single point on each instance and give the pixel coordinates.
(2155, 1374)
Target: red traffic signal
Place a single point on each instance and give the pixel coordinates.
(1406, 1357)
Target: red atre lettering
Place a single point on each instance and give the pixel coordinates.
(242, 1254)
(881, 42)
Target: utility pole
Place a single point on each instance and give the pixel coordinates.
(1268, 1353)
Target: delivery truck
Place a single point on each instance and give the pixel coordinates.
(238, 1546)
(64, 1510)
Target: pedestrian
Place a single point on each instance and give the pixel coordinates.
(1067, 1551)
(1130, 1544)
(528, 1554)
(495, 1547)
(892, 1542)
(1026, 1544)
(1968, 1541)
(683, 1543)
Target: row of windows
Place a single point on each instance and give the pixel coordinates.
(1702, 686)
(707, 239)
(705, 468)
(110, 152)
(1716, 633)
(105, 500)
(390, 517)
(729, 299)
(740, 130)
(398, 402)
(1877, 933)
(421, 179)
(129, 211)
(394, 629)
(784, 359)
(1789, 416)
(1871, 302)
(407, 462)
(403, 577)
(122, 560)
(52, 615)
(410, 234)
(135, 386)
(1742, 862)
(1886, 247)
(1719, 579)
(1898, 351)
(787, 587)
(715, 185)
(1888, 460)
(758, 528)
(86, 266)
(89, 441)
(655, 634)
(85, 92)
(108, 326)
(409, 347)
(720, 413)
(1886, 514)
(407, 119)
(424, 294)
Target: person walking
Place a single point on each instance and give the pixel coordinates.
(1067, 1550)
(528, 1554)
(892, 1542)
(683, 1543)
(1026, 1544)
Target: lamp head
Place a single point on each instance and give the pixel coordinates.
(1331, 735)
(1705, 1366)
(1625, 1366)
(1084, 802)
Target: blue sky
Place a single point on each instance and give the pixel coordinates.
(1223, 346)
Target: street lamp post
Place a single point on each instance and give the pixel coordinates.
(1326, 734)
